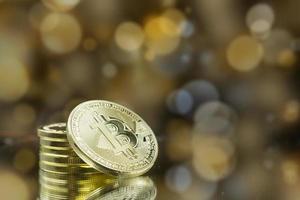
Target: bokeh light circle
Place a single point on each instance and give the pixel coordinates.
(244, 53)
(260, 19)
(14, 79)
(161, 35)
(129, 36)
(180, 102)
(214, 118)
(12, 186)
(61, 33)
(60, 5)
(213, 157)
(201, 91)
(178, 178)
(177, 22)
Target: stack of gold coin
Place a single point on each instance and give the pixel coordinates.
(100, 137)
(70, 186)
(63, 175)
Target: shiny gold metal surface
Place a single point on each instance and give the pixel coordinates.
(46, 143)
(57, 130)
(66, 168)
(56, 148)
(112, 138)
(57, 151)
(67, 177)
(56, 155)
(71, 186)
(65, 183)
(60, 158)
(54, 139)
(56, 164)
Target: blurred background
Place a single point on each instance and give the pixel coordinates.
(217, 80)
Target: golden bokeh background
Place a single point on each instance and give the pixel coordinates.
(217, 80)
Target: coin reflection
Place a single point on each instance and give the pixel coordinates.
(70, 186)
(139, 188)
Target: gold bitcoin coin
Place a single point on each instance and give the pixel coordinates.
(82, 176)
(58, 155)
(71, 195)
(49, 147)
(46, 195)
(57, 164)
(71, 187)
(50, 143)
(74, 189)
(57, 151)
(76, 178)
(66, 169)
(49, 196)
(60, 159)
(139, 188)
(57, 130)
(72, 184)
(53, 139)
(77, 182)
(112, 138)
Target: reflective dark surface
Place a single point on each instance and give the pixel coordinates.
(275, 177)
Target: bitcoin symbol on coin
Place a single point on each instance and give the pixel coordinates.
(115, 135)
(123, 134)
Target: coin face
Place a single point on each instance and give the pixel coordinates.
(112, 138)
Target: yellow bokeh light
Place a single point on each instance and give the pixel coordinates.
(15, 45)
(160, 37)
(129, 36)
(174, 23)
(244, 53)
(291, 111)
(60, 5)
(290, 172)
(61, 33)
(14, 79)
(213, 157)
(13, 187)
(287, 58)
(178, 147)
